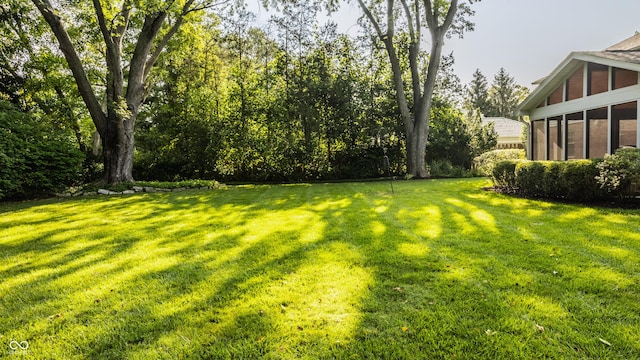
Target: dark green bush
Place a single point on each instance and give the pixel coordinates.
(619, 174)
(485, 163)
(504, 175)
(444, 169)
(528, 177)
(570, 180)
(35, 158)
(553, 185)
(579, 176)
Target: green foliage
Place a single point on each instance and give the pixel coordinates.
(568, 180)
(444, 169)
(529, 177)
(456, 138)
(619, 174)
(238, 105)
(35, 158)
(504, 175)
(485, 163)
(579, 176)
(499, 100)
(477, 94)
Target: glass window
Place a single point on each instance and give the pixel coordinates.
(623, 78)
(555, 138)
(598, 128)
(598, 79)
(575, 85)
(538, 140)
(556, 96)
(624, 124)
(575, 136)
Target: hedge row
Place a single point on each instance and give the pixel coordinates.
(570, 180)
(35, 158)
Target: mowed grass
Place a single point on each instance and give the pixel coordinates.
(439, 270)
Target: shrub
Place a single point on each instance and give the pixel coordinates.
(485, 163)
(504, 175)
(35, 158)
(553, 184)
(619, 174)
(528, 177)
(444, 169)
(570, 180)
(580, 180)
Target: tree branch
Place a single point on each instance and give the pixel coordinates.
(414, 52)
(165, 39)
(372, 19)
(75, 64)
(150, 29)
(102, 22)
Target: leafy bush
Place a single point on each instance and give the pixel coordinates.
(35, 158)
(485, 163)
(444, 169)
(529, 176)
(619, 174)
(504, 175)
(570, 180)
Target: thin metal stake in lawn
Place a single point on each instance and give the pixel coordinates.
(387, 165)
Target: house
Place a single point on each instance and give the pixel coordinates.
(588, 106)
(509, 132)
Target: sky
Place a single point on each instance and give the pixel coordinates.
(528, 38)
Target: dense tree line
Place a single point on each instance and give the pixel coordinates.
(292, 100)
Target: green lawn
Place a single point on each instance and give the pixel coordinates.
(440, 269)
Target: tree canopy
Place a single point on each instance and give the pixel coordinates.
(207, 94)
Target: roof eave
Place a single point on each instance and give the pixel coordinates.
(569, 64)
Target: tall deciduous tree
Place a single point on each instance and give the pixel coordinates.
(149, 26)
(414, 98)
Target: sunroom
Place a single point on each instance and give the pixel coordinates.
(588, 106)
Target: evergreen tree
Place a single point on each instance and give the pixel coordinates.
(503, 95)
(477, 94)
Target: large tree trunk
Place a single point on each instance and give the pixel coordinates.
(417, 151)
(118, 149)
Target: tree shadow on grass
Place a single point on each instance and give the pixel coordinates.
(438, 270)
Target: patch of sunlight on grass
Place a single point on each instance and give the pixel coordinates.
(616, 252)
(478, 216)
(516, 279)
(332, 205)
(621, 219)
(537, 307)
(423, 222)
(462, 223)
(431, 222)
(381, 209)
(582, 213)
(378, 228)
(530, 213)
(414, 249)
(318, 302)
(462, 266)
(459, 273)
(600, 277)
